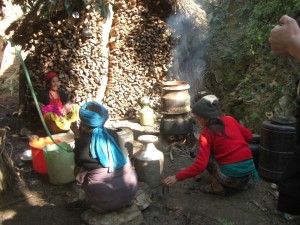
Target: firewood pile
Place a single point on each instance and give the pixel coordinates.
(60, 46)
(139, 56)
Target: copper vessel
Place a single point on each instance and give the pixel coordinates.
(175, 97)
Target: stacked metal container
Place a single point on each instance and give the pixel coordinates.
(175, 108)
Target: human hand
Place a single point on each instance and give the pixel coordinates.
(66, 108)
(75, 129)
(285, 38)
(169, 181)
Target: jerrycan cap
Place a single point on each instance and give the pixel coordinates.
(145, 100)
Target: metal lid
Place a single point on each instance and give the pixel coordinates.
(175, 85)
(283, 120)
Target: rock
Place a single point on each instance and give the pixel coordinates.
(274, 186)
(143, 196)
(76, 195)
(128, 215)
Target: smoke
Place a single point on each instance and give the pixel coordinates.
(188, 55)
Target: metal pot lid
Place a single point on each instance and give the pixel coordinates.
(26, 156)
(175, 85)
(283, 120)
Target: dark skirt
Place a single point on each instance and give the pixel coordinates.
(289, 186)
(109, 191)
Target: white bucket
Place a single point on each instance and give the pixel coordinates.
(60, 163)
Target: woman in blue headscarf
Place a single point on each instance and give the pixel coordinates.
(105, 173)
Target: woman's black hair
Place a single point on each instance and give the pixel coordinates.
(94, 108)
(216, 126)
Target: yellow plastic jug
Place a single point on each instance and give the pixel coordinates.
(146, 113)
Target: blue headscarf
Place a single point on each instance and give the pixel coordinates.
(103, 146)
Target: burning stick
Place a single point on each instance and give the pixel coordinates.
(262, 208)
(171, 155)
(165, 189)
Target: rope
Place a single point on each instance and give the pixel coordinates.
(33, 93)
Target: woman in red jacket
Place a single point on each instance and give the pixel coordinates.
(223, 152)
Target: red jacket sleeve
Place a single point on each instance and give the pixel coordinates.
(201, 161)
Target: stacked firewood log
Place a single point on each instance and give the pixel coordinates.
(140, 53)
(135, 60)
(61, 47)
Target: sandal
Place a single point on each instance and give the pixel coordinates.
(209, 189)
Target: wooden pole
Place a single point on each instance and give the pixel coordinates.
(105, 36)
(3, 168)
(22, 99)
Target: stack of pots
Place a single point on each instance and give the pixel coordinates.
(175, 108)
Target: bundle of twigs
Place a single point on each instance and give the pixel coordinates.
(4, 164)
(178, 149)
(8, 174)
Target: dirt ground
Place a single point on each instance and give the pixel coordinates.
(184, 204)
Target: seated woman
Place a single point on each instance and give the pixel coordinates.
(57, 110)
(223, 151)
(104, 172)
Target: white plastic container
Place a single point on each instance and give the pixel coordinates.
(60, 163)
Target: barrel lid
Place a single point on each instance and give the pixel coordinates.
(283, 120)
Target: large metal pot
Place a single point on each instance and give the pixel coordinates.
(176, 124)
(175, 97)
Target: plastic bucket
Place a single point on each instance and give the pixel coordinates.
(38, 159)
(60, 163)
